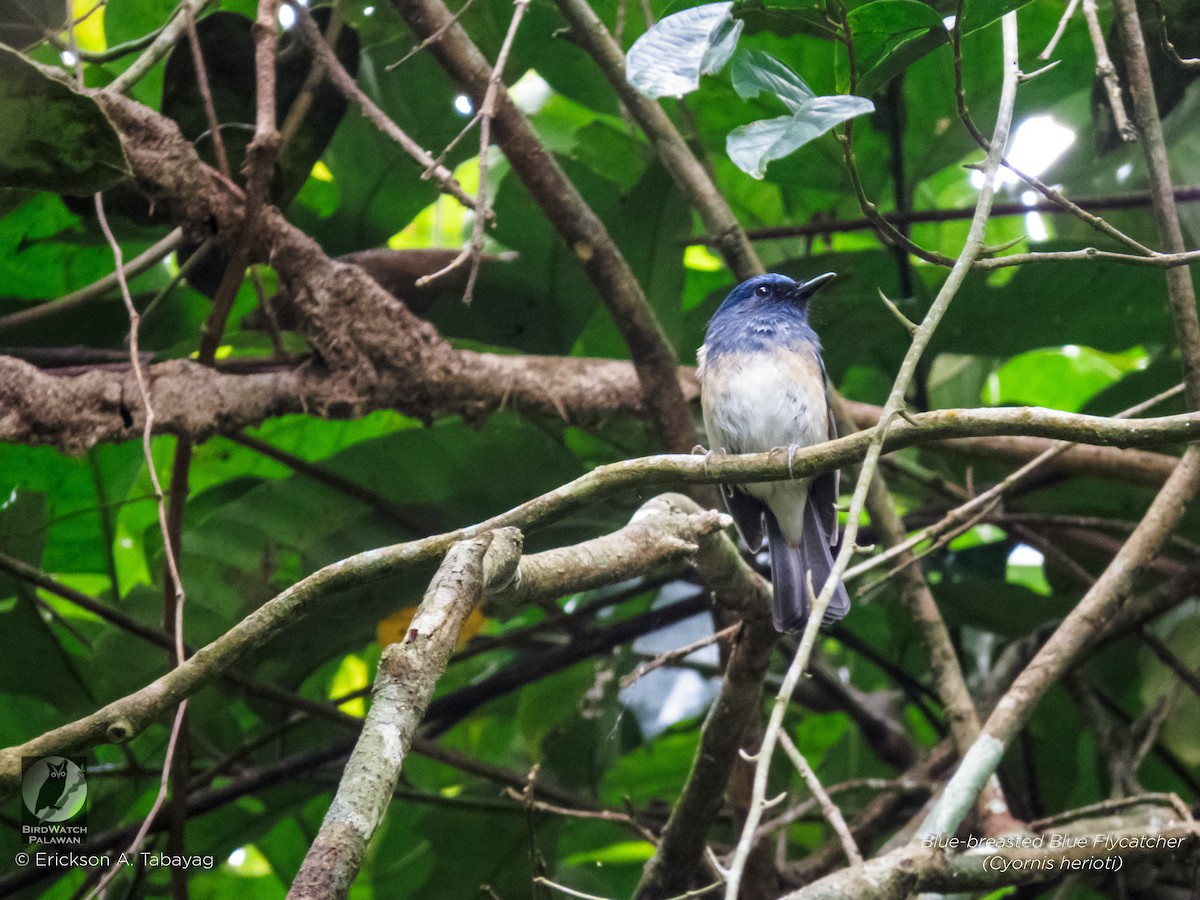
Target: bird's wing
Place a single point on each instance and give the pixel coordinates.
(825, 488)
(747, 515)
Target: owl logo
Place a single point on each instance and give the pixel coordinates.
(54, 788)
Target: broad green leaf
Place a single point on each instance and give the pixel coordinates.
(1058, 378)
(35, 661)
(53, 138)
(1124, 307)
(668, 60)
(656, 770)
(127, 22)
(1157, 376)
(786, 19)
(889, 35)
(1002, 608)
(753, 146)
(981, 13)
(25, 22)
(755, 72)
(721, 45)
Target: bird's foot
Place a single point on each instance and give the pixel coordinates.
(708, 454)
(792, 450)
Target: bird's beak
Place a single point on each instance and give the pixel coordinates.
(806, 289)
(811, 286)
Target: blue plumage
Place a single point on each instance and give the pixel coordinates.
(763, 385)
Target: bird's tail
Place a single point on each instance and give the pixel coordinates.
(789, 568)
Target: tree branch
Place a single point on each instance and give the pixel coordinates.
(724, 230)
(408, 672)
(901, 218)
(570, 214)
(344, 82)
(677, 863)
(1180, 291)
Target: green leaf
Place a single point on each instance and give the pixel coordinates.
(755, 72)
(1057, 377)
(981, 13)
(753, 146)
(668, 60)
(889, 35)
(997, 606)
(1179, 732)
(619, 854)
(53, 138)
(721, 44)
(994, 319)
(788, 19)
(26, 22)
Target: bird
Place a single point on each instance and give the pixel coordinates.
(763, 385)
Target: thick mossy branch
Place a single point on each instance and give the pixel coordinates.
(408, 672)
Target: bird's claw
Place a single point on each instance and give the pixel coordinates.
(708, 455)
(792, 450)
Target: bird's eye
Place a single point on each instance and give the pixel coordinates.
(762, 290)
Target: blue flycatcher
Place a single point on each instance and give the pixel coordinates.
(763, 385)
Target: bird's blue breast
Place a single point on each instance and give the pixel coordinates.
(752, 326)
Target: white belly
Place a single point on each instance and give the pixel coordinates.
(756, 402)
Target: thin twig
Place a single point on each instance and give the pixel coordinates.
(571, 892)
(159, 799)
(845, 136)
(602, 815)
(678, 653)
(473, 252)
(1166, 655)
(147, 259)
(342, 80)
(1058, 31)
(882, 785)
(1172, 52)
(167, 38)
(257, 168)
(829, 809)
(170, 562)
(210, 110)
(1108, 73)
(316, 72)
(432, 39)
(1034, 182)
(967, 514)
(1181, 291)
(147, 405)
(820, 227)
(1154, 260)
(261, 154)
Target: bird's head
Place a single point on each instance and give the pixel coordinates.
(772, 288)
